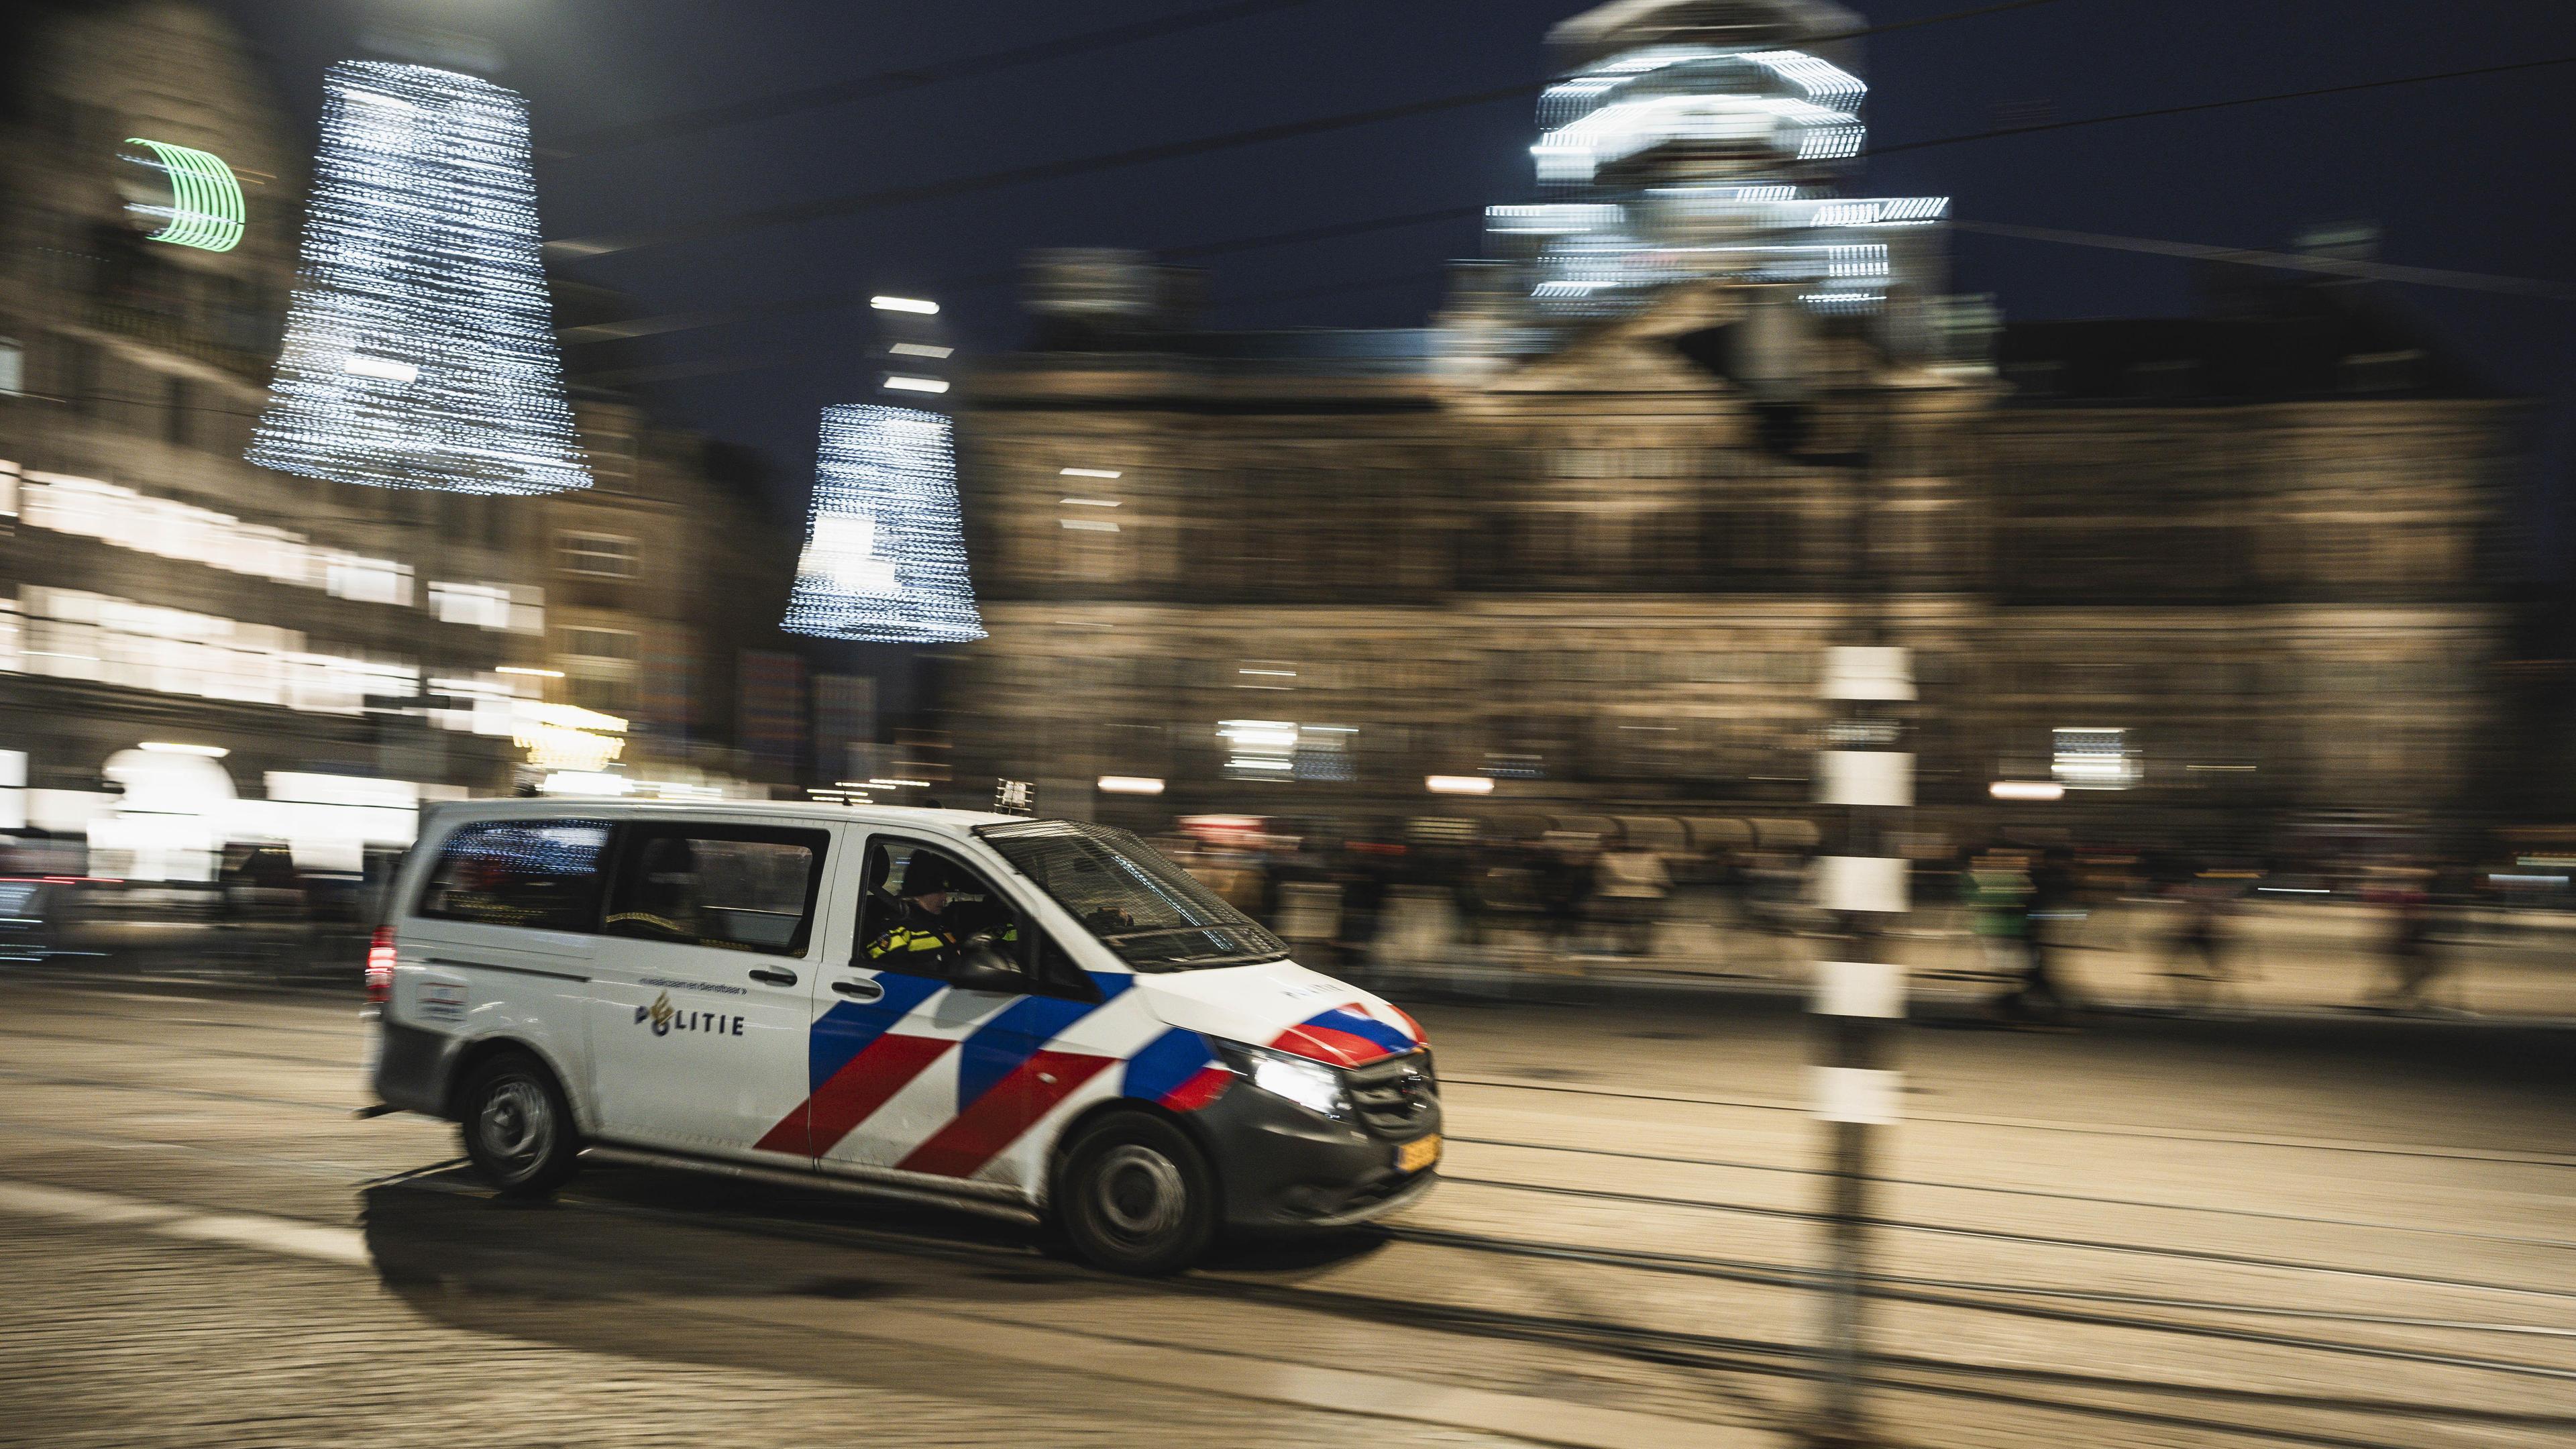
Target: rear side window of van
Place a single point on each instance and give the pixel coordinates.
(737, 887)
(539, 874)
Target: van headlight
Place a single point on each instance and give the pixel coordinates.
(1309, 1084)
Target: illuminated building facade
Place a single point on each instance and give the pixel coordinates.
(325, 647)
(1591, 546)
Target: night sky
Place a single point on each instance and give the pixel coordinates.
(2469, 175)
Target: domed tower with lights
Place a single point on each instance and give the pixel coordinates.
(1699, 140)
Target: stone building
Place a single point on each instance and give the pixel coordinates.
(2261, 540)
(1588, 536)
(308, 646)
(2241, 562)
(660, 574)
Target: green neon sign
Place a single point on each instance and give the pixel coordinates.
(205, 209)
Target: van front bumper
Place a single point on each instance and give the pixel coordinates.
(1284, 1168)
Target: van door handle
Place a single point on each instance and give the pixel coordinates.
(775, 976)
(861, 988)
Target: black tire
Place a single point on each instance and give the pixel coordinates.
(517, 1125)
(1135, 1195)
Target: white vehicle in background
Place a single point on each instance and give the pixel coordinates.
(1041, 1016)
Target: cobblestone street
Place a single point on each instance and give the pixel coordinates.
(2151, 1233)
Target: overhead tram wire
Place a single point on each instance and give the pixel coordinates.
(2288, 261)
(686, 321)
(575, 248)
(677, 371)
(1329, 231)
(2038, 127)
(891, 82)
(2424, 276)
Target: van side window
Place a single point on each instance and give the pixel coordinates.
(739, 888)
(922, 905)
(540, 874)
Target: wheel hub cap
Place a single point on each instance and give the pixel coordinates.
(517, 1124)
(1139, 1193)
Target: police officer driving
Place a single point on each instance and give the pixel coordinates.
(939, 921)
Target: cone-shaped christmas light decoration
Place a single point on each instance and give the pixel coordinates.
(420, 348)
(884, 558)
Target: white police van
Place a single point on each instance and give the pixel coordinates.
(1040, 1016)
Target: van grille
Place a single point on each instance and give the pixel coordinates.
(1398, 1097)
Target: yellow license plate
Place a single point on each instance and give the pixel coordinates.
(1415, 1156)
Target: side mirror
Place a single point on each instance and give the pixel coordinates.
(982, 967)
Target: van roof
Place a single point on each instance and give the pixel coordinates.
(514, 806)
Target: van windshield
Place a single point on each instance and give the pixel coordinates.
(1131, 896)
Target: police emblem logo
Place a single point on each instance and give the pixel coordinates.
(660, 1013)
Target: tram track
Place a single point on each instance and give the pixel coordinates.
(1889, 1288)
(1785, 1275)
(2001, 1384)
(2205, 1255)
(2239, 1260)
(2045, 1194)
(1897, 1287)
(2360, 1147)
(2177, 1403)
(1902, 1372)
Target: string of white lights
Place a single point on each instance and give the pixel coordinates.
(420, 350)
(1676, 162)
(885, 554)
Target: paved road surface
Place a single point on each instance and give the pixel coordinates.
(2152, 1233)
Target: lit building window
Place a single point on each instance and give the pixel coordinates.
(368, 580)
(601, 555)
(71, 634)
(124, 518)
(601, 643)
(484, 606)
(2090, 758)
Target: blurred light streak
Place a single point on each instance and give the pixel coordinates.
(901, 383)
(205, 209)
(1130, 785)
(360, 364)
(885, 553)
(419, 351)
(1459, 784)
(920, 305)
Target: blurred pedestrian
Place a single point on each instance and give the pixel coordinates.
(2049, 915)
(1367, 869)
(2413, 965)
(1564, 885)
(2196, 964)
(1995, 888)
(1633, 884)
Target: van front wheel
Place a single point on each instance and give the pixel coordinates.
(1136, 1196)
(518, 1128)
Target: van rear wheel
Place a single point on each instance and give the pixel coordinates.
(1136, 1196)
(517, 1126)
